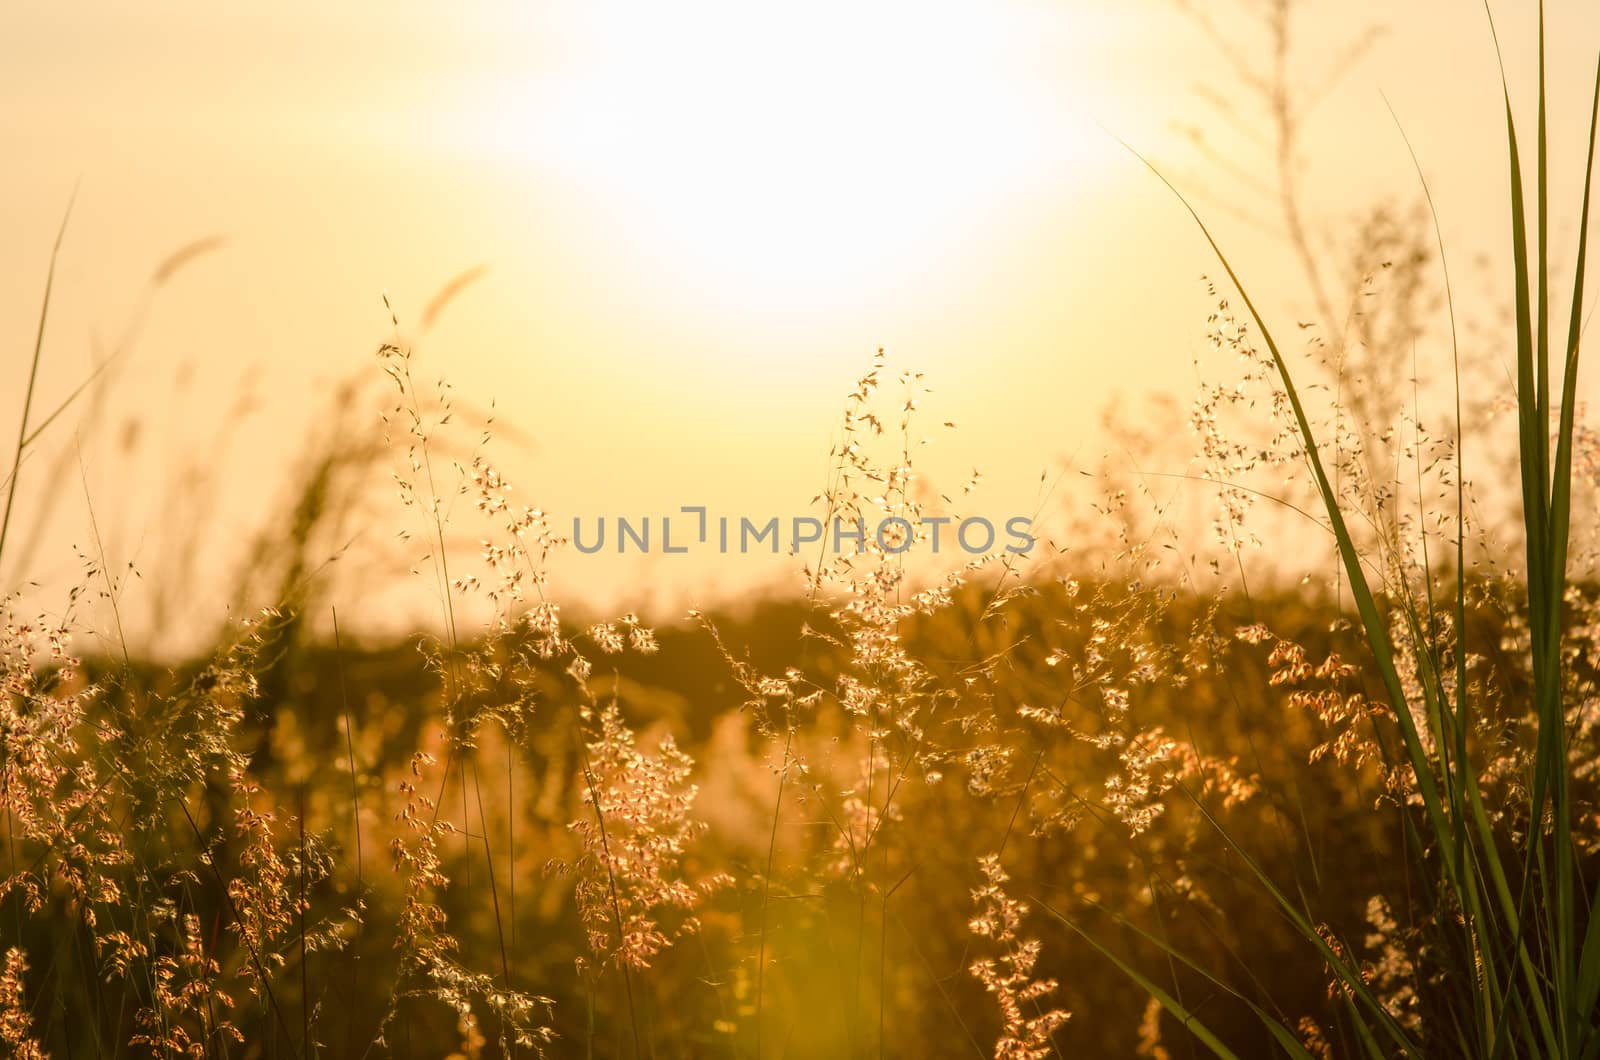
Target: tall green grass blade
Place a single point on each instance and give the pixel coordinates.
(1546, 577)
(1190, 1022)
(1482, 929)
(1542, 263)
(1273, 1024)
(1366, 605)
(1350, 978)
(1547, 674)
(1517, 1019)
(1586, 993)
(1369, 1044)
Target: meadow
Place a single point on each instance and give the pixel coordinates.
(1291, 753)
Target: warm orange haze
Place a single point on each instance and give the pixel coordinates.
(712, 214)
(1022, 529)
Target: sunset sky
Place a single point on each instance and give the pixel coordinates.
(698, 220)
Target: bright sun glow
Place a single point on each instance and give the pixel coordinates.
(790, 152)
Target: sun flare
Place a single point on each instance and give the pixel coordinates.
(770, 152)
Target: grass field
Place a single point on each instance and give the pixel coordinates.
(1313, 774)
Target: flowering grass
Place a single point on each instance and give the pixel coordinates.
(1154, 797)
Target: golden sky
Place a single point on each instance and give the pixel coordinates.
(698, 221)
